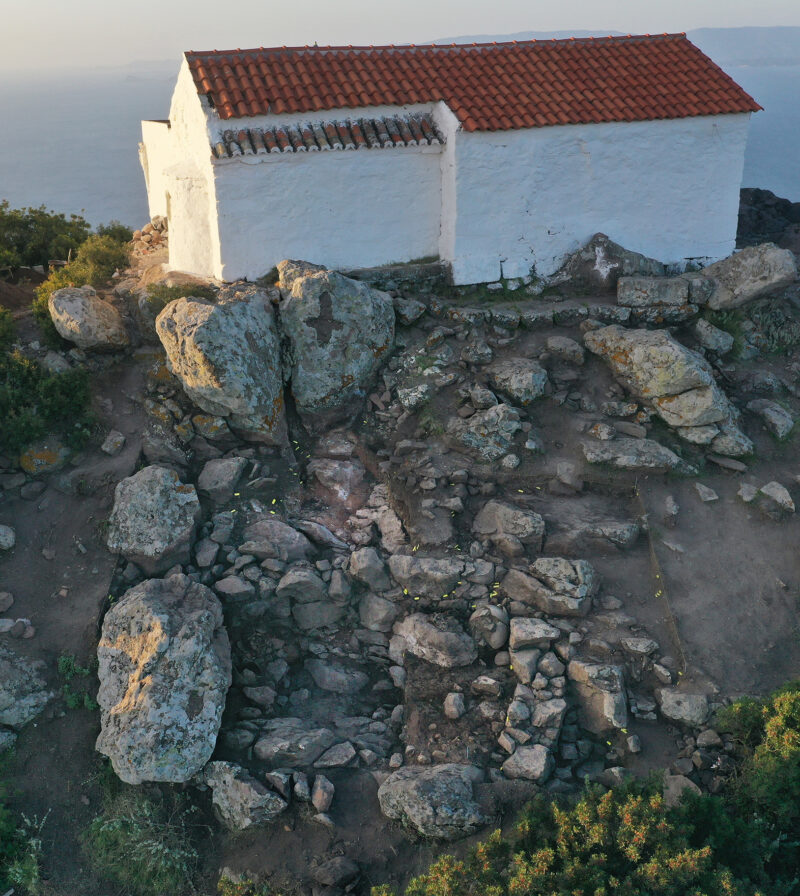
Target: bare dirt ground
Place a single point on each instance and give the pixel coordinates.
(730, 577)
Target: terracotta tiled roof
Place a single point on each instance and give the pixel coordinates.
(363, 133)
(489, 87)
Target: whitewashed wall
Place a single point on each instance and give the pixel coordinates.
(339, 208)
(524, 199)
(155, 155)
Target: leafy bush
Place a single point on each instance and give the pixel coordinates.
(144, 845)
(7, 329)
(33, 236)
(34, 403)
(97, 260)
(766, 791)
(117, 231)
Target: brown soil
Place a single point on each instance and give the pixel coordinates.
(729, 606)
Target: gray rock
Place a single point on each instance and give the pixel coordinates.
(336, 677)
(377, 614)
(731, 442)
(23, 693)
(438, 640)
(239, 799)
(601, 262)
(712, 338)
(647, 292)
(86, 320)
(337, 756)
(317, 614)
(338, 331)
(532, 763)
(776, 418)
(454, 705)
(366, 566)
(489, 625)
(678, 706)
(775, 499)
(674, 787)
(565, 348)
(302, 585)
(164, 670)
(499, 518)
(549, 713)
(153, 520)
(322, 793)
(707, 495)
(227, 358)
(749, 274)
(290, 270)
(555, 585)
(8, 538)
(532, 633)
(488, 435)
(272, 539)
(218, 478)
(425, 576)
(437, 801)
(600, 691)
(522, 379)
(695, 407)
(292, 742)
(113, 443)
(633, 455)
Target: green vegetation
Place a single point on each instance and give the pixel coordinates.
(34, 403)
(34, 236)
(20, 846)
(69, 670)
(627, 842)
(97, 260)
(144, 844)
(778, 332)
(228, 887)
(7, 329)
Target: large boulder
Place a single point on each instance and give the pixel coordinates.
(270, 538)
(649, 363)
(430, 577)
(497, 519)
(554, 585)
(437, 801)
(522, 379)
(23, 693)
(239, 799)
(153, 520)
(227, 358)
(532, 763)
(164, 670)
(337, 332)
(683, 707)
(86, 320)
(601, 262)
(634, 455)
(436, 639)
(290, 741)
(749, 274)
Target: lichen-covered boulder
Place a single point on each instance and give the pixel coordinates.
(437, 801)
(239, 799)
(23, 693)
(522, 379)
(649, 363)
(227, 358)
(164, 670)
(337, 333)
(488, 434)
(86, 320)
(749, 274)
(153, 520)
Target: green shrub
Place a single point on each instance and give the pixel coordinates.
(34, 236)
(7, 329)
(34, 403)
(97, 260)
(24, 871)
(117, 231)
(144, 845)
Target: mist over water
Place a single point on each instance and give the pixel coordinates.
(71, 142)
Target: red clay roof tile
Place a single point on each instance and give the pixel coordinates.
(488, 86)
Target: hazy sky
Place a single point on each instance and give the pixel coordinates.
(49, 34)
